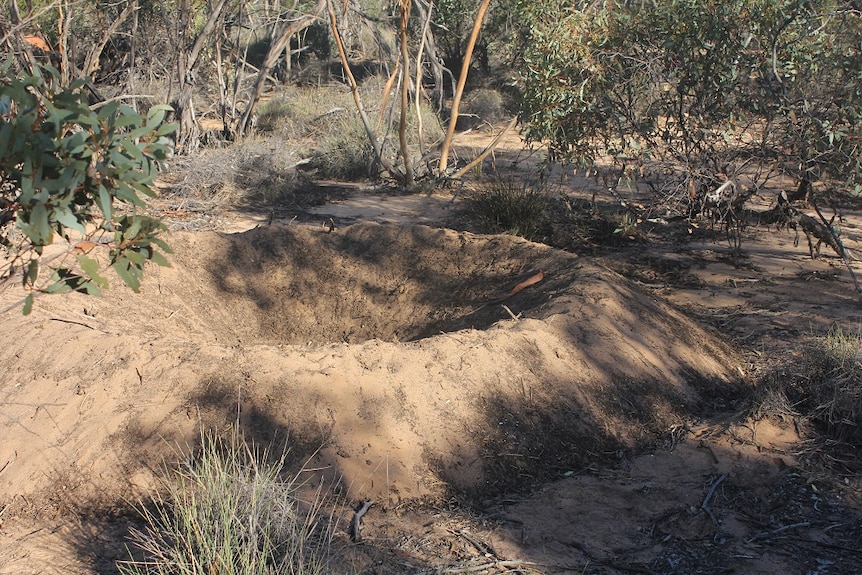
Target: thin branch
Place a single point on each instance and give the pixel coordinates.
(418, 92)
(354, 88)
(460, 173)
(91, 62)
(405, 96)
(462, 80)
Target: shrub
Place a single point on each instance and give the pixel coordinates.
(689, 93)
(321, 124)
(72, 171)
(508, 207)
(824, 385)
(229, 511)
(484, 106)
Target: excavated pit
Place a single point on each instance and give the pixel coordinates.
(301, 285)
(332, 339)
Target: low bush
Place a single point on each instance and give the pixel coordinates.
(822, 385)
(228, 510)
(321, 125)
(508, 207)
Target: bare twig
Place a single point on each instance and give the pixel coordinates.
(356, 522)
(514, 317)
(354, 88)
(480, 546)
(460, 173)
(705, 504)
(778, 531)
(842, 251)
(480, 567)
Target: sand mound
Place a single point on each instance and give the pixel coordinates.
(386, 346)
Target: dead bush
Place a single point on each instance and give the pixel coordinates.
(256, 170)
(322, 124)
(482, 106)
(822, 385)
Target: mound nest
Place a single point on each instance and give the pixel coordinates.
(401, 356)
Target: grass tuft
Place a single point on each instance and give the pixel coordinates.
(508, 207)
(229, 511)
(823, 385)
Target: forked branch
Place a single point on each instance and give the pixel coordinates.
(354, 88)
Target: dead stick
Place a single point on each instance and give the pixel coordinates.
(356, 522)
(460, 173)
(474, 568)
(843, 252)
(705, 504)
(777, 531)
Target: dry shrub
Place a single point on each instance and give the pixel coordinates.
(822, 385)
(482, 106)
(553, 218)
(256, 170)
(322, 124)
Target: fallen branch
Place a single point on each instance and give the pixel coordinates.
(777, 531)
(835, 242)
(356, 522)
(460, 173)
(705, 504)
(481, 567)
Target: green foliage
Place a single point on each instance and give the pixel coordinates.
(229, 511)
(691, 92)
(81, 174)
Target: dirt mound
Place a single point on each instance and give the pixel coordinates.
(256, 325)
(399, 351)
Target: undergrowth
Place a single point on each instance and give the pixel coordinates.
(509, 207)
(822, 385)
(229, 510)
(533, 213)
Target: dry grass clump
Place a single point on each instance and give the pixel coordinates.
(322, 125)
(482, 106)
(823, 385)
(533, 213)
(508, 207)
(255, 170)
(228, 510)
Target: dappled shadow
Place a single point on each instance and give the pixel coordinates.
(710, 505)
(395, 283)
(591, 370)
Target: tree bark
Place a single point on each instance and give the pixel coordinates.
(405, 94)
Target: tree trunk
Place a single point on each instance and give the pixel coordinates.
(405, 96)
(462, 79)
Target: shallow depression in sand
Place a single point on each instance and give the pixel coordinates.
(301, 285)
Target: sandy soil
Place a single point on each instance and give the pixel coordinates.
(591, 422)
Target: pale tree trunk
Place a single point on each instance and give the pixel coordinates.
(462, 79)
(405, 101)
